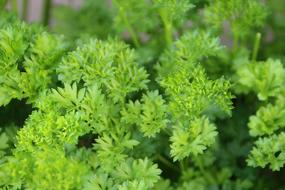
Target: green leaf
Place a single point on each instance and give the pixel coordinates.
(137, 173)
(193, 140)
(153, 117)
(264, 78)
(69, 96)
(268, 151)
(268, 119)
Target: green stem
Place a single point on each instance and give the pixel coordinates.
(168, 34)
(46, 12)
(166, 162)
(182, 167)
(183, 164)
(14, 4)
(130, 29)
(256, 46)
(167, 26)
(208, 177)
(235, 43)
(168, 131)
(25, 9)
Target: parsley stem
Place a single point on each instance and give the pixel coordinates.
(15, 6)
(206, 174)
(130, 29)
(168, 131)
(166, 162)
(235, 43)
(183, 164)
(256, 46)
(25, 9)
(167, 26)
(168, 34)
(46, 12)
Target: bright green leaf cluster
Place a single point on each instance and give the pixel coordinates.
(143, 94)
(152, 114)
(268, 150)
(194, 139)
(264, 78)
(137, 174)
(112, 65)
(267, 120)
(48, 168)
(190, 92)
(187, 52)
(27, 57)
(105, 76)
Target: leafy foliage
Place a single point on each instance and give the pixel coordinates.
(267, 120)
(265, 78)
(194, 141)
(268, 150)
(162, 94)
(27, 57)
